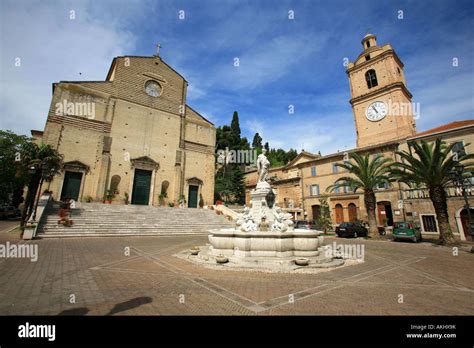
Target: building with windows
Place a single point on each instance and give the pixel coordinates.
(131, 138)
(384, 119)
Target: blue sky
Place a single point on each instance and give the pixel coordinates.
(282, 61)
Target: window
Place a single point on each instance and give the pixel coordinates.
(367, 56)
(371, 78)
(313, 171)
(429, 223)
(382, 186)
(347, 189)
(458, 148)
(334, 168)
(337, 189)
(399, 72)
(152, 88)
(368, 44)
(314, 190)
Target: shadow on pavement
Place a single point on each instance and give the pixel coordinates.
(75, 311)
(133, 303)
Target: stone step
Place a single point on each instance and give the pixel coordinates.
(139, 223)
(95, 219)
(132, 228)
(111, 234)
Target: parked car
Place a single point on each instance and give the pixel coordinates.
(303, 224)
(3, 213)
(406, 230)
(351, 229)
(9, 212)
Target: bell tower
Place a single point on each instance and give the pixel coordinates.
(381, 102)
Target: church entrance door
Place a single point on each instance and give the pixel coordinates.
(141, 187)
(71, 185)
(193, 196)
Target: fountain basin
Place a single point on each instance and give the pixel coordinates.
(231, 242)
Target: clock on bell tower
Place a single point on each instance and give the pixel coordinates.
(381, 102)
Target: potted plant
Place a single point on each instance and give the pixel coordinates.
(109, 196)
(222, 259)
(194, 250)
(125, 198)
(181, 201)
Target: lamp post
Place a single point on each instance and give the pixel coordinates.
(458, 179)
(45, 174)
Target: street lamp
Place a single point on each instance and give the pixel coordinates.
(32, 170)
(46, 173)
(458, 179)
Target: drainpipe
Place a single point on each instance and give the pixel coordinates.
(400, 193)
(302, 191)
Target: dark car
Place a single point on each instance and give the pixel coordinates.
(3, 213)
(9, 212)
(351, 229)
(303, 224)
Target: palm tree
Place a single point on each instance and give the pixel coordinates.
(367, 175)
(41, 163)
(431, 168)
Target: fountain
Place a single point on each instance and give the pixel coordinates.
(264, 236)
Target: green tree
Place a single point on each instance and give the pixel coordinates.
(244, 144)
(238, 185)
(42, 163)
(223, 187)
(229, 184)
(13, 177)
(367, 175)
(291, 154)
(257, 141)
(431, 169)
(324, 220)
(235, 128)
(224, 138)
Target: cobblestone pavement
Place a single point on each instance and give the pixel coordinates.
(7, 225)
(100, 279)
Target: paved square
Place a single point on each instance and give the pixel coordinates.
(102, 279)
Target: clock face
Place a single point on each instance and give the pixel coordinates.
(376, 111)
(152, 88)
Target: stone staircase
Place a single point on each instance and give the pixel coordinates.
(109, 220)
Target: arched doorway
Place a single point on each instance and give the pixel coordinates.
(465, 222)
(384, 212)
(339, 214)
(352, 212)
(316, 209)
(194, 190)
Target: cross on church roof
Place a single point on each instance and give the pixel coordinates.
(158, 46)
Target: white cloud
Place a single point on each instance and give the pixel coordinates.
(52, 47)
(328, 134)
(266, 63)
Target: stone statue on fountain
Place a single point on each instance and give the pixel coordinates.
(263, 214)
(263, 165)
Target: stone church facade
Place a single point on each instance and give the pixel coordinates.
(131, 136)
(378, 87)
